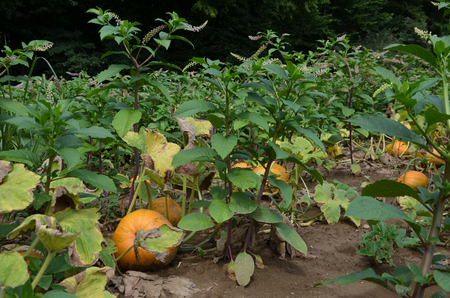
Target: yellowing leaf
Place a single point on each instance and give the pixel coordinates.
(161, 152)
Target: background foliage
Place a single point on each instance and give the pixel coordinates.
(372, 23)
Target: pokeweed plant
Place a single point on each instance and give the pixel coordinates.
(258, 103)
(414, 96)
(140, 55)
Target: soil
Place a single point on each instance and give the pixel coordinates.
(331, 253)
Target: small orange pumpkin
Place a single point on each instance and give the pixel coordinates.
(398, 149)
(433, 159)
(159, 205)
(414, 179)
(124, 236)
(242, 165)
(276, 170)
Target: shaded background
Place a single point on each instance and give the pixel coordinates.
(77, 45)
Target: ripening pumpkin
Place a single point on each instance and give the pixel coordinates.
(414, 179)
(124, 236)
(398, 149)
(159, 205)
(242, 165)
(276, 170)
(433, 159)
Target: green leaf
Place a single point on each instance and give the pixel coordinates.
(124, 120)
(286, 191)
(96, 180)
(255, 118)
(70, 156)
(185, 156)
(112, 70)
(14, 271)
(443, 280)
(434, 116)
(353, 277)
(415, 50)
(84, 223)
(264, 214)
(16, 186)
(94, 132)
(196, 222)
(241, 203)
(159, 244)
(369, 208)
(220, 211)
(276, 69)
(244, 179)
(291, 236)
(20, 155)
(244, 268)
(439, 294)
(53, 239)
(89, 283)
(5, 229)
(378, 123)
(106, 255)
(223, 145)
(417, 272)
(192, 107)
(13, 106)
(389, 189)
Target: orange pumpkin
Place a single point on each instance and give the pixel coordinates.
(275, 170)
(414, 179)
(398, 149)
(124, 236)
(433, 159)
(159, 205)
(242, 165)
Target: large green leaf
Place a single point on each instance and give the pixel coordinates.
(14, 270)
(379, 123)
(20, 155)
(186, 156)
(244, 268)
(83, 222)
(443, 280)
(369, 208)
(241, 203)
(16, 186)
(389, 189)
(70, 156)
(291, 236)
(96, 180)
(13, 106)
(255, 118)
(124, 120)
(244, 179)
(112, 70)
(276, 69)
(368, 274)
(223, 145)
(220, 211)
(93, 131)
(264, 214)
(415, 50)
(89, 283)
(388, 76)
(196, 222)
(192, 107)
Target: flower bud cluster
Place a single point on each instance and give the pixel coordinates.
(39, 48)
(115, 16)
(189, 27)
(6, 60)
(260, 50)
(152, 33)
(255, 37)
(382, 89)
(49, 92)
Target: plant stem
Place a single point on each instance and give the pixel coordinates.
(42, 271)
(194, 186)
(183, 200)
(435, 228)
(125, 252)
(32, 246)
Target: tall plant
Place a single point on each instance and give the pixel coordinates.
(414, 96)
